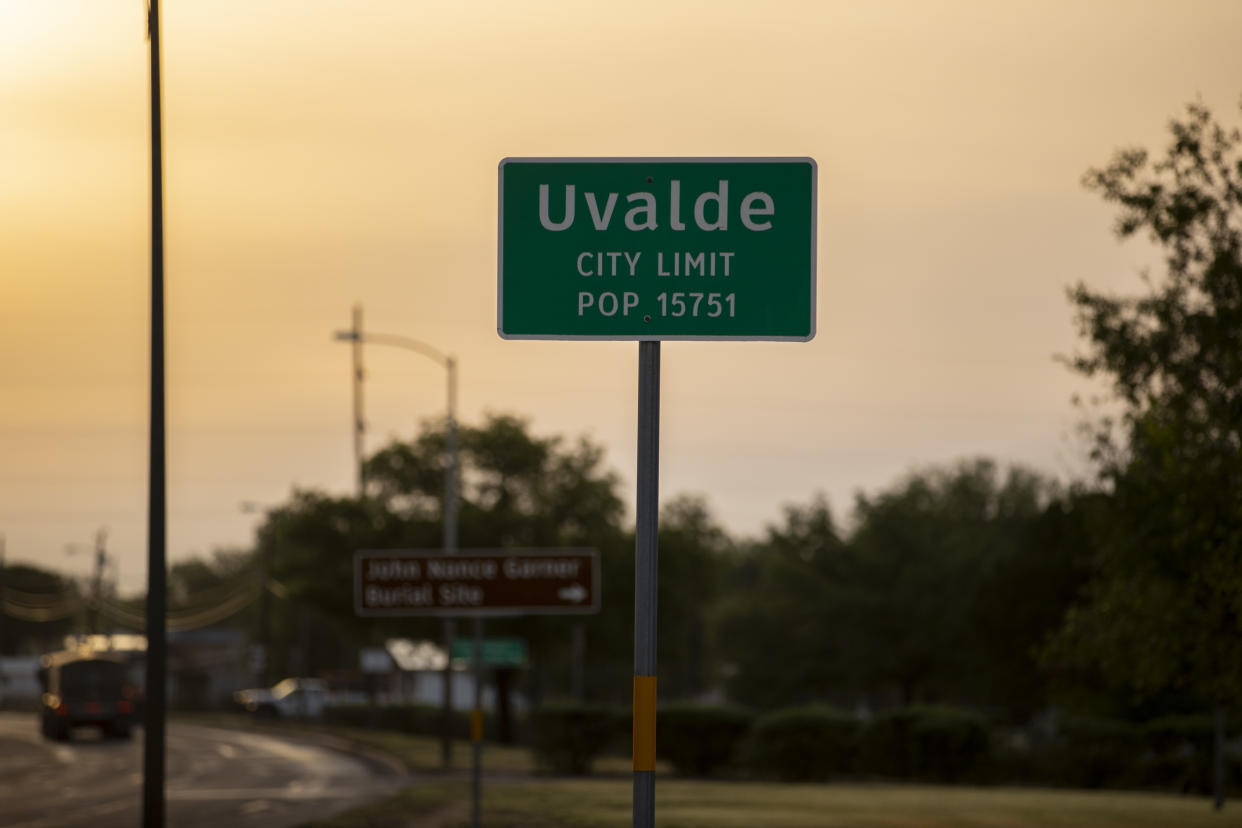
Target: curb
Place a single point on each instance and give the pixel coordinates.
(379, 762)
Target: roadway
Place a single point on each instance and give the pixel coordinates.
(214, 777)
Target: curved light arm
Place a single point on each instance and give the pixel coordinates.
(451, 449)
(398, 342)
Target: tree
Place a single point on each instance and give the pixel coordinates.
(211, 586)
(1164, 608)
(694, 551)
(39, 609)
(782, 622)
(310, 542)
(1022, 598)
(902, 610)
(925, 551)
(517, 490)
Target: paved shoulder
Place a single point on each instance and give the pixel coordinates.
(214, 777)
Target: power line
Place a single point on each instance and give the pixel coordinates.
(36, 614)
(37, 599)
(225, 600)
(219, 593)
(183, 620)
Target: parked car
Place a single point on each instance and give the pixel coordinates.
(86, 691)
(296, 698)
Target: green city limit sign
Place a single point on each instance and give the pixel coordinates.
(657, 248)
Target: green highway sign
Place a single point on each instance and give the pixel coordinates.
(657, 248)
(497, 652)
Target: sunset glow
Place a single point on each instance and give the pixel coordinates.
(321, 154)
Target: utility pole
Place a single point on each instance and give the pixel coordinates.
(261, 652)
(355, 335)
(101, 561)
(265, 616)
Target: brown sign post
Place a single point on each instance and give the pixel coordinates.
(477, 582)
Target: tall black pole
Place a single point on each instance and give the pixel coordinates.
(2, 585)
(153, 724)
(1218, 757)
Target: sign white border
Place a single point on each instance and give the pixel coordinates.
(500, 246)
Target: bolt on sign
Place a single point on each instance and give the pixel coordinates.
(657, 248)
(477, 582)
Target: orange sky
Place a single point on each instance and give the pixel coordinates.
(325, 153)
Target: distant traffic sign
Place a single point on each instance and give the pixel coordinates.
(477, 582)
(497, 652)
(657, 248)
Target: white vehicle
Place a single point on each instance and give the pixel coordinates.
(292, 698)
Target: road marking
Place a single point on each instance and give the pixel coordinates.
(351, 791)
(300, 754)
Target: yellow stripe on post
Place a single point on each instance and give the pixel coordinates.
(644, 723)
(476, 726)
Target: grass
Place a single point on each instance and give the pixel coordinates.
(539, 803)
(514, 798)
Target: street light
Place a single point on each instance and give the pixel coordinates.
(356, 336)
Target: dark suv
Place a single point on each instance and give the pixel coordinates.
(85, 691)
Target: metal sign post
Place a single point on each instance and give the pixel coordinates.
(477, 583)
(476, 730)
(646, 569)
(648, 249)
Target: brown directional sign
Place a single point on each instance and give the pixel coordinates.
(477, 582)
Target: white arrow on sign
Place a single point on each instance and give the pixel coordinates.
(573, 593)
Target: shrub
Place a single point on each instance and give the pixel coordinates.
(947, 744)
(698, 739)
(567, 737)
(1092, 753)
(803, 743)
(1181, 753)
(938, 743)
